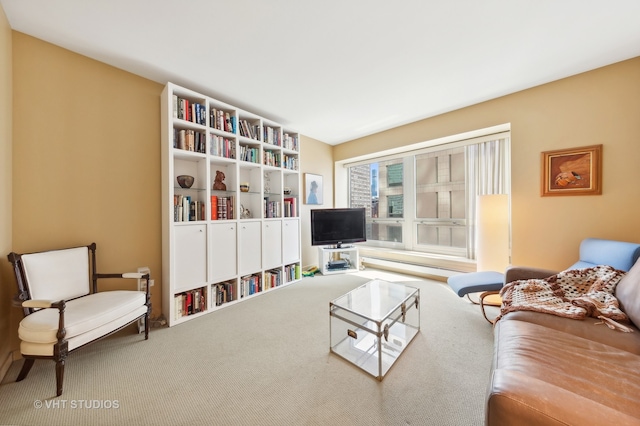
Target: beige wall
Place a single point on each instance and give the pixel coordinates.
(6, 284)
(597, 107)
(86, 159)
(315, 157)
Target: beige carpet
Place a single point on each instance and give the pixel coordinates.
(266, 361)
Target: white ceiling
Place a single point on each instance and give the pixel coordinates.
(336, 70)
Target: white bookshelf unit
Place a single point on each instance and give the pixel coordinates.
(332, 259)
(230, 239)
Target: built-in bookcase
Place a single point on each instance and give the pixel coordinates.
(235, 232)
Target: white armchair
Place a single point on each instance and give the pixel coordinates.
(58, 291)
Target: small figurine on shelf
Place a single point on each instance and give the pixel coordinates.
(244, 213)
(267, 183)
(218, 183)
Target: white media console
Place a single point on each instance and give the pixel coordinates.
(338, 260)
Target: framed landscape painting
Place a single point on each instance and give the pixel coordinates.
(574, 171)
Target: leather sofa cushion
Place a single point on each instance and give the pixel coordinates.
(628, 293)
(81, 315)
(587, 328)
(542, 375)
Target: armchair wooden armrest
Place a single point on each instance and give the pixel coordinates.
(515, 273)
(42, 304)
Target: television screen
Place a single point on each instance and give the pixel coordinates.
(338, 226)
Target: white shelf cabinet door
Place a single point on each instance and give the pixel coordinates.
(190, 257)
(272, 238)
(223, 259)
(250, 247)
(291, 241)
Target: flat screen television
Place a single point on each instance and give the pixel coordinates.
(338, 226)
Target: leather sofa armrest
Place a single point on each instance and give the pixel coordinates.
(515, 273)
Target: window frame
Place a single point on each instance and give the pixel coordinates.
(411, 224)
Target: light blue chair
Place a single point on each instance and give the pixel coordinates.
(593, 251)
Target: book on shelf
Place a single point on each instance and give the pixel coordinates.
(190, 302)
(250, 284)
(222, 207)
(271, 136)
(187, 110)
(223, 147)
(225, 292)
(248, 130)
(189, 140)
(250, 154)
(271, 208)
(290, 207)
(290, 141)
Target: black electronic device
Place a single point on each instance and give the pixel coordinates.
(337, 264)
(338, 226)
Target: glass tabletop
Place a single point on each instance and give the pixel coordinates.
(375, 299)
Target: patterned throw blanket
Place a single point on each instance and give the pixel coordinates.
(575, 293)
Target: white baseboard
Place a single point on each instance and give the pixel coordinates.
(408, 268)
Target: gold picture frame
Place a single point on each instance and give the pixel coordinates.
(573, 171)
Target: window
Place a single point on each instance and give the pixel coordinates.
(424, 200)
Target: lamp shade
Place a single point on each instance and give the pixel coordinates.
(492, 232)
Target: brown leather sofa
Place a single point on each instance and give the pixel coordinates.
(551, 370)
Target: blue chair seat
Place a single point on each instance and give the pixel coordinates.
(476, 282)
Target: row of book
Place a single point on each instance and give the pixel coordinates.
(185, 209)
(291, 272)
(194, 112)
(250, 154)
(271, 208)
(185, 109)
(190, 302)
(222, 207)
(189, 140)
(250, 284)
(272, 278)
(222, 120)
(223, 147)
(248, 130)
(271, 158)
(271, 136)
(290, 141)
(225, 292)
(290, 207)
(289, 162)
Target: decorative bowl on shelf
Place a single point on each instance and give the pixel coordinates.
(185, 181)
(287, 190)
(244, 187)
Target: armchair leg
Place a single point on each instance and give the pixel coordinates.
(26, 367)
(59, 376)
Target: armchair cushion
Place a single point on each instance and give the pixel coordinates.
(58, 274)
(81, 315)
(628, 294)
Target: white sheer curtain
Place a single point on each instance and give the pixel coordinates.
(489, 173)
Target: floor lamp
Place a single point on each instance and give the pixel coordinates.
(492, 227)
(492, 231)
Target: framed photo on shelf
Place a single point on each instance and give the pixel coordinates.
(573, 171)
(312, 188)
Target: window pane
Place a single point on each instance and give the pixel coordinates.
(378, 187)
(440, 184)
(385, 232)
(443, 236)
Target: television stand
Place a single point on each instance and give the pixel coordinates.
(338, 260)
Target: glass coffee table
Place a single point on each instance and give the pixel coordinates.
(373, 324)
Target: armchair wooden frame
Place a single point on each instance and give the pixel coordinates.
(61, 348)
